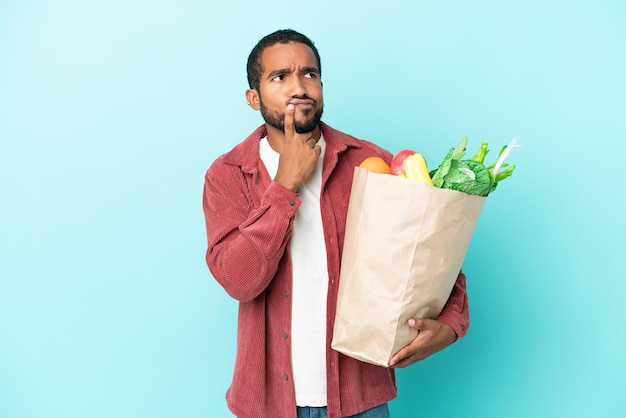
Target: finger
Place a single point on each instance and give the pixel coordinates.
(410, 349)
(290, 122)
(318, 150)
(416, 323)
(407, 361)
(406, 352)
(396, 359)
(405, 357)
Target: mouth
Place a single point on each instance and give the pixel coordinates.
(302, 103)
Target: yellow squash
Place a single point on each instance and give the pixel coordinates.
(415, 168)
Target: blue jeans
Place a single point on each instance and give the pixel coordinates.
(380, 411)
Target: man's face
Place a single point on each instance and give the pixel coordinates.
(290, 75)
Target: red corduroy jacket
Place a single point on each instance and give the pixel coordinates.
(249, 219)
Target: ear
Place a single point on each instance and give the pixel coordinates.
(252, 96)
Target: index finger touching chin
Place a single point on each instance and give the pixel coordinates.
(290, 118)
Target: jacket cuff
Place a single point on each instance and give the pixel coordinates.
(283, 197)
(456, 321)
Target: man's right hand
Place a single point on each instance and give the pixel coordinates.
(298, 155)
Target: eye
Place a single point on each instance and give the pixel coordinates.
(279, 77)
(310, 75)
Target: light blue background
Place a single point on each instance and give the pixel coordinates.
(111, 111)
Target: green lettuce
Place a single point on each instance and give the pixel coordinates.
(471, 175)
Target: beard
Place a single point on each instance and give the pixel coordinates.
(277, 120)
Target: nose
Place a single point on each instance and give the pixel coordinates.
(298, 86)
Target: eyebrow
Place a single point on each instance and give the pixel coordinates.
(280, 71)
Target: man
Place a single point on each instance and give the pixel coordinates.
(275, 209)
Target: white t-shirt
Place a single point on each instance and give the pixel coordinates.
(310, 285)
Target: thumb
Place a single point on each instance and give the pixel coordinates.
(416, 323)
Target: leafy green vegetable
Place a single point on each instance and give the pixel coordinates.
(468, 176)
(438, 176)
(482, 152)
(471, 175)
(459, 151)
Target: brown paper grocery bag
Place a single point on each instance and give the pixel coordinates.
(404, 246)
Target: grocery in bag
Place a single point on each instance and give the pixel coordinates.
(404, 246)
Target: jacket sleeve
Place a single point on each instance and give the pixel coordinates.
(246, 241)
(456, 310)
